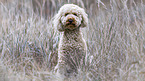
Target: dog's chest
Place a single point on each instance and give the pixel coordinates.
(72, 44)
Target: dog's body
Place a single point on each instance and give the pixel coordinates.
(72, 50)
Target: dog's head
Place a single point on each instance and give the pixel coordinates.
(70, 17)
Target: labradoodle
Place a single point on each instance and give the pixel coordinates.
(72, 46)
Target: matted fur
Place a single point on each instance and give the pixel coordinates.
(72, 46)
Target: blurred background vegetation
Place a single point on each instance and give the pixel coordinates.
(115, 38)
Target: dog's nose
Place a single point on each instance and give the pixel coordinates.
(70, 20)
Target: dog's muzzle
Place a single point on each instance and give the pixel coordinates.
(70, 21)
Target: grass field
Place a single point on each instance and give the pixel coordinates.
(115, 38)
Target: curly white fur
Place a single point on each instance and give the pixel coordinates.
(72, 46)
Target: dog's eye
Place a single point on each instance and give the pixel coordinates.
(66, 14)
(75, 14)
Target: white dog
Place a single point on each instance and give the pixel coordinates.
(72, 47)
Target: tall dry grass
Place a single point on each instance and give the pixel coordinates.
(115, 37)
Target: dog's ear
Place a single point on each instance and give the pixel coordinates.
(57, 22)
(84, 21)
